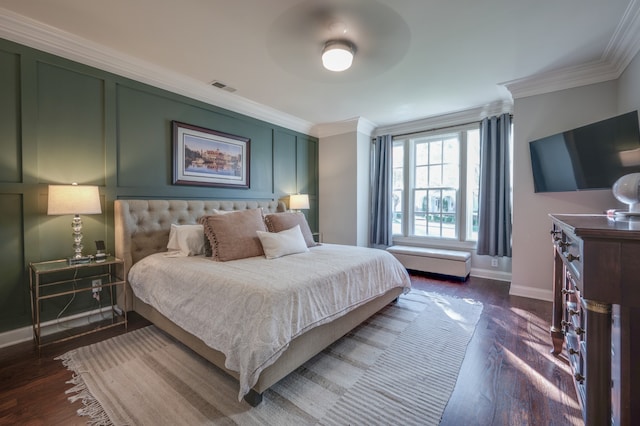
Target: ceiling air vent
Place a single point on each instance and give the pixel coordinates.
(221, 85)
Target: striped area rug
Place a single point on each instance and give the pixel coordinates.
(399, 367)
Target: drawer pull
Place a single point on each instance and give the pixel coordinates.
(566, 323)
(573, 351)
(579, 378)
(579, 331)
(563, 244)
(565, 291)
(573, 312)
(571, 257)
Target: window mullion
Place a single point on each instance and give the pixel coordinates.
(409, 184)
(461, 211)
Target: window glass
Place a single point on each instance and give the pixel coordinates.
(422, 154)
(421, 176)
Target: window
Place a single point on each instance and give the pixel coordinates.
(436, 184)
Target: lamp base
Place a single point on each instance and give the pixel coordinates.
(79, 260)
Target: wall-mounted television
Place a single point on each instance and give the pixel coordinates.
(588, 157)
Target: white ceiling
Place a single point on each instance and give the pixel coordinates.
(415, 58)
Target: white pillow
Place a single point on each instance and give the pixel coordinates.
(216, 211)
(187, 239)
(278, 244)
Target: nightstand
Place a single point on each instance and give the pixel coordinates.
(57, 278)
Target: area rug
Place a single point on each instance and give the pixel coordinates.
(399, 367)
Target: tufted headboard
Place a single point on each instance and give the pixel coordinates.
(142, 226)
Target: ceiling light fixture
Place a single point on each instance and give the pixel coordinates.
(337, 55)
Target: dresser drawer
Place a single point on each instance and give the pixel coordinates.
(570, 248)
(573, 323)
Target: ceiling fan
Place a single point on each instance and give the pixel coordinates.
(376, 34)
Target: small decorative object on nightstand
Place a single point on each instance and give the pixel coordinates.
(101, 256)
(46, 282)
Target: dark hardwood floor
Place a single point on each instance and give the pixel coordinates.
(508, 376)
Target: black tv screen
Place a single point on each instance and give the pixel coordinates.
(589, 157)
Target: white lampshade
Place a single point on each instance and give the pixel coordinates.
(73, 199)
(337, 55)
(298, 201)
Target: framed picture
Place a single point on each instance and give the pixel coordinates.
(209, 158)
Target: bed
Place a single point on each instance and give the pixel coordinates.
(142, 229)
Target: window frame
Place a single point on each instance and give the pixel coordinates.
(462, 216)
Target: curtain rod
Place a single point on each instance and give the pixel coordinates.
(434, 129)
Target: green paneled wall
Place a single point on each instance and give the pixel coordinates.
(14, 298)
(284, 168)
(70, 126)
(10, 117)
(64, 122)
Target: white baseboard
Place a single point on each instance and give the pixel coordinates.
(491, 274)
(514, 290)
(532, 293)
(13, 337)
(24, 334)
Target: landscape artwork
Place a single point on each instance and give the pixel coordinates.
(209, 158)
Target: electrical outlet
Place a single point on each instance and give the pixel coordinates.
(494, 263)
(97, 285)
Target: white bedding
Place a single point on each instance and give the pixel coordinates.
(250, 309)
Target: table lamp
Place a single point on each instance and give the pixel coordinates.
(76, 200)
(298, 202)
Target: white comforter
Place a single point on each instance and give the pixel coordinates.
(250, 309)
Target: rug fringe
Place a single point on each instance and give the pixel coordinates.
(91, 407)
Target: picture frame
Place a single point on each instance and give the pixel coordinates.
(206, 157)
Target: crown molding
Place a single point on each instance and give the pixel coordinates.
(20, 29)
(366, 127)
(452, 119)
(561, 79)
(625, 42)
(622, 48)
(356, 124)
(325, 130)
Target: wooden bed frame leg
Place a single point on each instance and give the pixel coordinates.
(253, 398)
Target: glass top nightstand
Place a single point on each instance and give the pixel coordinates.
(57, 278)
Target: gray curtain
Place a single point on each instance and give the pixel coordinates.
(494, 210)
(380, 234)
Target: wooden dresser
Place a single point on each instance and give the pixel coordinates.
(596, 313)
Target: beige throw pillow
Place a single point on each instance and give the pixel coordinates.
(277, 222)
(208, 251)
(234, 235)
